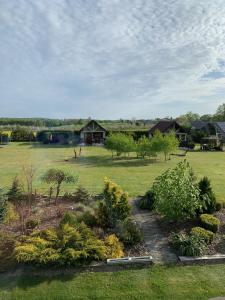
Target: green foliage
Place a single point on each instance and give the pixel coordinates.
(22, 134)
(210, 222)
(188, 245)
(147, 202)
(114, 206)
(56, 177)
(207, 196)
(144, 147)
(88, 217)
(32, 223)
(114, 247)
(3, 205)
(82, 195)
(176, 193)
(207, 235)
(120, 143)
(129, 232)
(67, 245)
(68, 218)
(15, 193)
(10, 214)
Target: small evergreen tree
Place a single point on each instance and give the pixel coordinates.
(3, 205)
(114, 206)
(207, 196)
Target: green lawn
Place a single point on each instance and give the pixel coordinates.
(186, 283)
(134, 175)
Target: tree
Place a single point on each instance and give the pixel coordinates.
(145, 147)
(220, 113)
(114, 206)
(29, 173)
(177, 195)
(188, 118)
(22, 134)
(120, 143)
(169, 144)
(55, 177)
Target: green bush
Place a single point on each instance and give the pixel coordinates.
(68, 218)
(82, 196)
(207, 235)
(207, 196)
(89, 218)
(32, 223)
(210, 222)
(129, 232)
(147, 202)
(188, 245)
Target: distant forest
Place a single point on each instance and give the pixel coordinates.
(42, 123)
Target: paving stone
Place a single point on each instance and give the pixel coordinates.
(155, 240)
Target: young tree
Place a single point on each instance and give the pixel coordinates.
(169, 144)
(120, 143)
(55, 177)
(17, 198)
(145, 147)
(29, 173)
(176, 193)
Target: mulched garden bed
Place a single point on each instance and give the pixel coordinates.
(218, 244)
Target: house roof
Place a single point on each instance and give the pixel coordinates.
(221, 126)
(198, 125)
(90, 122)
(164, 126)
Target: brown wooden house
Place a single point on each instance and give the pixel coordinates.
(92, 134)
(166, 126)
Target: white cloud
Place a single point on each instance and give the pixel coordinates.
(132, 58)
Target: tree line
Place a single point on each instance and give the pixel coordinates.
(122, 144)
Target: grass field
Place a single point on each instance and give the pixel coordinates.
(186, 283)
(134, 175)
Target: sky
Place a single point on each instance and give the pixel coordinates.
(111, 59)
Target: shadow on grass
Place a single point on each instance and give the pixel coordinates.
(46, 146)
(31, 277)
(106, 161)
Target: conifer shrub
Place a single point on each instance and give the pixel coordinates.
(207, 196)
(114, 247)
(114, 205)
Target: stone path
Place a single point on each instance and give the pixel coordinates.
(155, 240)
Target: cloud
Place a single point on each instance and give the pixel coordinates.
(111, 59)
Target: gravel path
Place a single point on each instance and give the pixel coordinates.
(155, 240)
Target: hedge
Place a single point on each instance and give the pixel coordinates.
(210, 222)
(207, 235)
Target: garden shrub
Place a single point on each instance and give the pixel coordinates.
(207, 196)
(188, 245)
(147, 202)
(129, 232)
(3, 205)
(88, 217)
(10, 214)
(114, 206)
(203, 233)
(210, 222)
(66, 245)
(32, 223)
(176, 194)
(82, 196)
(68, 218)
(7, 244)
(114, 247)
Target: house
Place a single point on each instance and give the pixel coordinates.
(92, 133)
(166, 126)
(210, 128)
